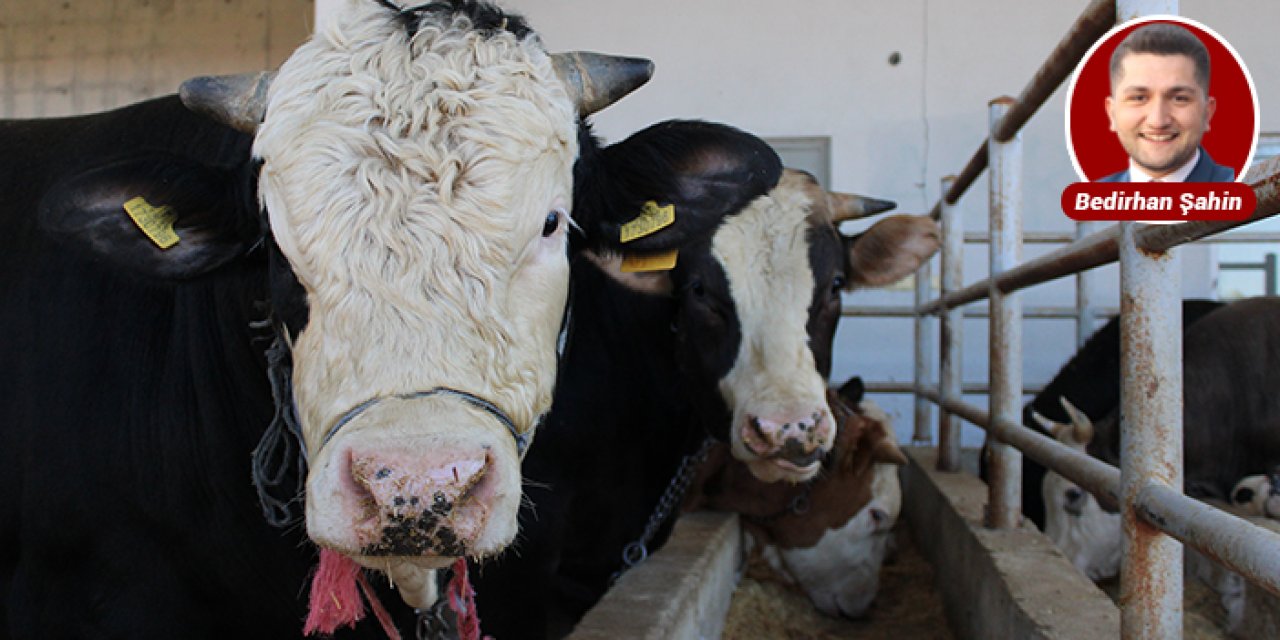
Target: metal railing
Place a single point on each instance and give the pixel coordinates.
(1148, 487)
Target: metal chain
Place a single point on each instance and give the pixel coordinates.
(637, 551)
(432, 624)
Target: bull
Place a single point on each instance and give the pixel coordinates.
(732, 343)
(1230, 425)
(393, 210)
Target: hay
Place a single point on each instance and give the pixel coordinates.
(907, 605)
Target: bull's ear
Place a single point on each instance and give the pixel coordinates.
(671, 184)
(891, 250)
(161, 215)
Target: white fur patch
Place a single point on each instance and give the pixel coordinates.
(765, 255)
(408, 184)
(1091, 539)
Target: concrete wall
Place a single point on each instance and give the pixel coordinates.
(64, 57)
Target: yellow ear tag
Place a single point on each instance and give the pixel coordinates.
(663, 261)
(156, 222)
(652, 218)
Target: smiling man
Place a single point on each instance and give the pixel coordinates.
(1160, 106)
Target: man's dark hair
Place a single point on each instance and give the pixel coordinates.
(1163, 39)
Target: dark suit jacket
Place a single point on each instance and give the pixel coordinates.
(1206, 170)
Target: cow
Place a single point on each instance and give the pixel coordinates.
(1258, 495)
(826, 537)
(393, 211)
(734, 343)
(1074, 520)
(1090, 381)
(841, 573)
(1231, 421)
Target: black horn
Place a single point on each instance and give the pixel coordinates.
(238, 101)
(596, 80)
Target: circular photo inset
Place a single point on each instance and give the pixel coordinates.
(1161, 98)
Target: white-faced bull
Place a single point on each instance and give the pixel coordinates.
(399, 208)
(733, 342)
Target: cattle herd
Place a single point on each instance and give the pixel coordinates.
(394, 301)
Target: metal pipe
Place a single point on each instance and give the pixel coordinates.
(1057, 313)
(923, 430)
(1004, 463)
(1096, 19)
(950, 332)
(1092, 474)
(1151, 576)
(968, 388)
(1102, 247)
(1237, 544)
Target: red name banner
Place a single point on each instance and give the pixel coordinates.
(1158, 201)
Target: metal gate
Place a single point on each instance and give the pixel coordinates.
(1157, 517)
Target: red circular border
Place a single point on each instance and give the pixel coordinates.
(1232, 130)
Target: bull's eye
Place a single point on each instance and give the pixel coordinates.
(837, 284)
(697, 288)
(552, 222)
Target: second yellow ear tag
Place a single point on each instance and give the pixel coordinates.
(636, 263)
(156, 222)
(652, 218)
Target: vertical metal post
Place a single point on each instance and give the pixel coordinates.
(1004, 462)
(1085, 313)
(1150, 434)
(1127, 10)
(1151, 571)
(1269, 274)
(924, 356)
(951, 332)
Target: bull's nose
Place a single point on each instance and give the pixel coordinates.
(790, 436)
(413, 507)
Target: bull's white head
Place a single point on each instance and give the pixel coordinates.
(1086, 533)
(417, 172)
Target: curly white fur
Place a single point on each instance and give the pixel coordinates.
(407, 184)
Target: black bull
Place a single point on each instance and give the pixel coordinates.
(133, 398)
(1231, 419)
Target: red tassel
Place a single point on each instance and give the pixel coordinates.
(462, 599)
(335, 601)
(379, 611)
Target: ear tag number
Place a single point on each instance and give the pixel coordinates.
(652, 219)
(661, 261)
(156, 222)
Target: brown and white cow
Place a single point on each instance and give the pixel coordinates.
(826, 537)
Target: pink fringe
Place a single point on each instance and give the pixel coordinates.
(335, 600)
(462, 599)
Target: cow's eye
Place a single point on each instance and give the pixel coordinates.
(837, 284)
(552, 222)
(697, 288)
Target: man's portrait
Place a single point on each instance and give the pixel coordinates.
(1160, 106)
(1164, 100)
